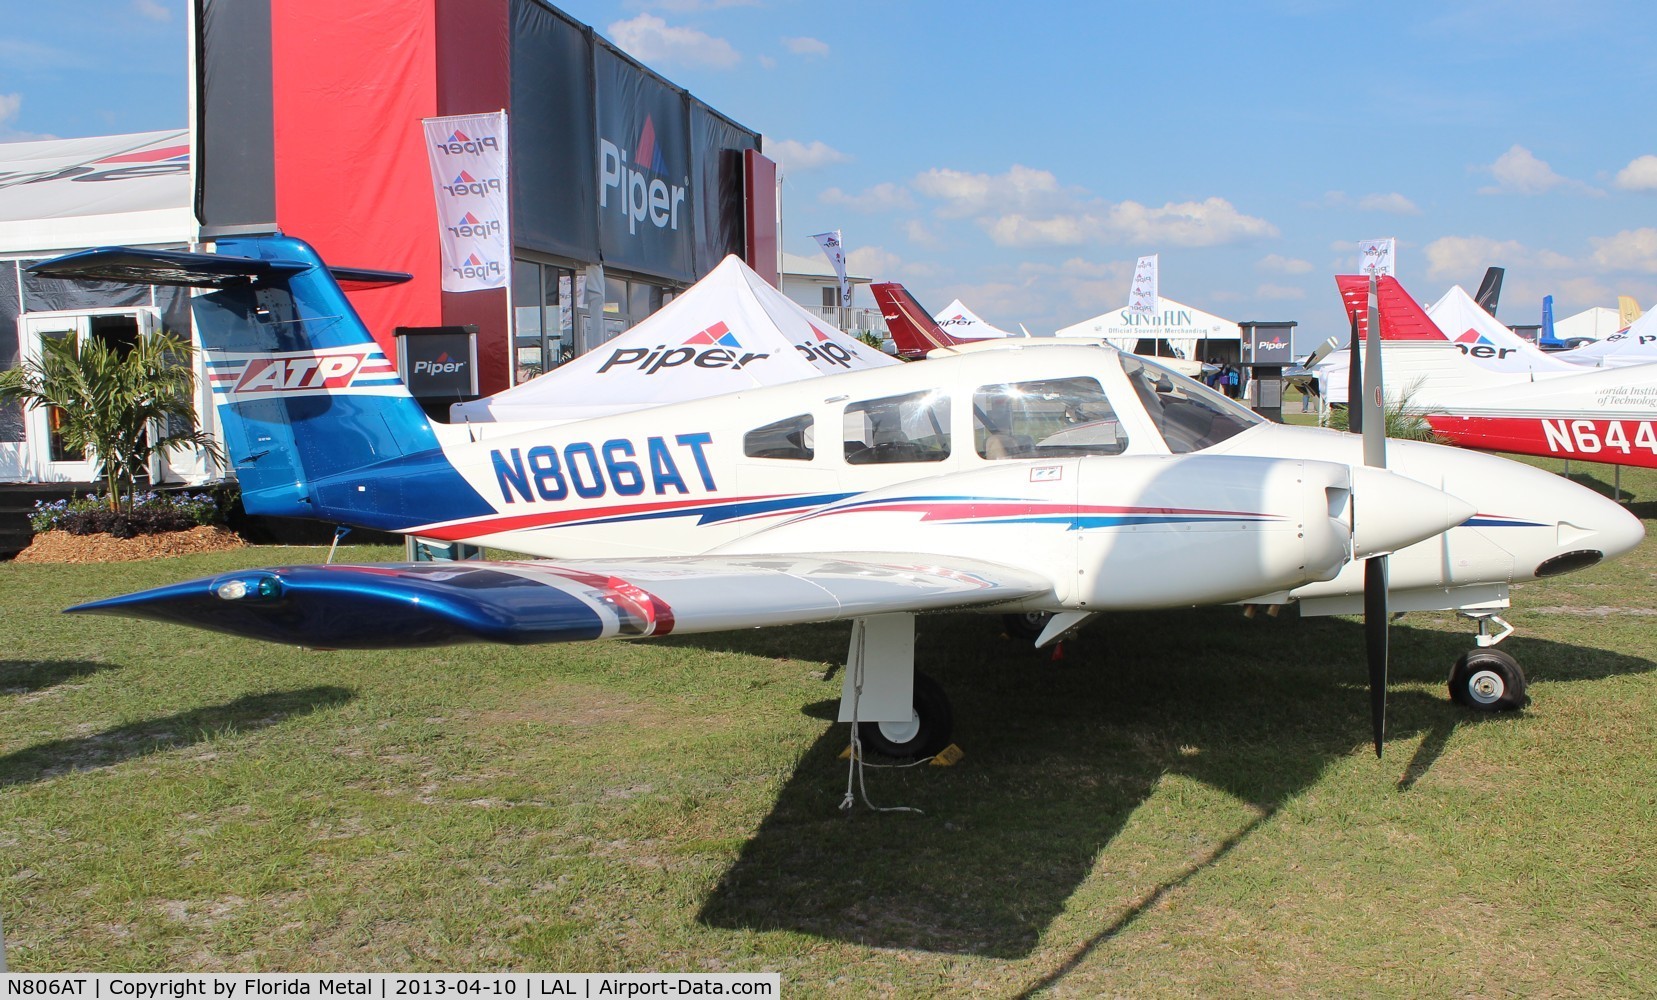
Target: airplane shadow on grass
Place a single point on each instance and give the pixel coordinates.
(1061, 754)
(248, 713)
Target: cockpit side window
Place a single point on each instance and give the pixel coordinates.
(913, 427)
(1189, 415)
(1052, 418)
(786, 439)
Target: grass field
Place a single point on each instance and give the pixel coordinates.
(1186, 804)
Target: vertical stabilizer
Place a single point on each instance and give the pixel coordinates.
(913, 330)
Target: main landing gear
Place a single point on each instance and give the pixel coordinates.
(1487, 679)
(898, 712)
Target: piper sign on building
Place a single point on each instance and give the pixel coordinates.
(469, 174)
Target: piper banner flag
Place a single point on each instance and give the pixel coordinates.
(1142, 298)
(469, 176)
(1377, 256)
(836, 252)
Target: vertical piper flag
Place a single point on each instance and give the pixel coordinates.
(1142, 297)
(1378, 256)
(836, 252)
(469, 178)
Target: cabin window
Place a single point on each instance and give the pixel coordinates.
(786, 439)
(913, 427)
(1052, 418)
(1189, 415)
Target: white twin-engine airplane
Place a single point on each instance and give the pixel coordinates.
(1063, 481)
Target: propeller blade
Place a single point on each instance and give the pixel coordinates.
(1354, 381)
(1375, 417)
(1376, 622)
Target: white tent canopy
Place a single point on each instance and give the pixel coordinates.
(1486, 341)
(728, 332)
(959, 321)
(1636, 345)
(62, 194)
(1178, 324)
(1594, 323)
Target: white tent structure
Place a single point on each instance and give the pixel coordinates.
(1636, 345)
(1181, 326)
(959, 321)
(1485, 340)
(65, 194)
(728, 332)
(1594, 323)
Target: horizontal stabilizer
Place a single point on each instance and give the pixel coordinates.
(137, 266)
(406, 605)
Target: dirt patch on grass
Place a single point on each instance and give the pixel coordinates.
(62, 547)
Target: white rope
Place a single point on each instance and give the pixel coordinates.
(854, 766)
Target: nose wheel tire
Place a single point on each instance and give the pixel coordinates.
(1027, 626)
(924, 734)
(1488, 680)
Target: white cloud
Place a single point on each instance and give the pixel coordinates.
(921, 234)
(1020, 189)
(1279, 264)
(1027, 207)
(876, 262)
(887, 197)
(1639, 175)
(10, 105)
(1279, 292)
(153, 10)
(806, 46)
(697, 6)
(1207, 223)
(1392, 203)
(1016, 230)
(767, 62)
(1464, 258)
(797, 156)
(652, 40)
(1629, 250)
(1519, 171)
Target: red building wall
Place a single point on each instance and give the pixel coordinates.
(349, 87)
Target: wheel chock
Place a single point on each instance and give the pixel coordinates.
(948, 756)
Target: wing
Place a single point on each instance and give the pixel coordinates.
(400, 605)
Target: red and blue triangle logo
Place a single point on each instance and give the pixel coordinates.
(719, 334)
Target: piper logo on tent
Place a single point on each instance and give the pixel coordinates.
(642, 189)
(460, 144)
(465, 184)
(1476, 345)
(476, 267)
(470, 226)
(955, 320)
(724, 351)
(824, 351)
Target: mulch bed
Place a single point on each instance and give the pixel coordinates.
(62, 547)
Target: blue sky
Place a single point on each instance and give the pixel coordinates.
(1021, 156)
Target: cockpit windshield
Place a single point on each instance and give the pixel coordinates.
(1189, 415)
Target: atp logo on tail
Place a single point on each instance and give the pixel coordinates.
(302, 373)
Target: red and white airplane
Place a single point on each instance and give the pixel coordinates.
(1060, 481)
(1594, 415)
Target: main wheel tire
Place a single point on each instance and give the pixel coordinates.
(1027, 626)
(1488, 680)
(925, 734)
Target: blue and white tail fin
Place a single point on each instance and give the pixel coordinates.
(317, 421)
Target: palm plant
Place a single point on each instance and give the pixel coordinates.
(1404, 420)
(112, 398)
